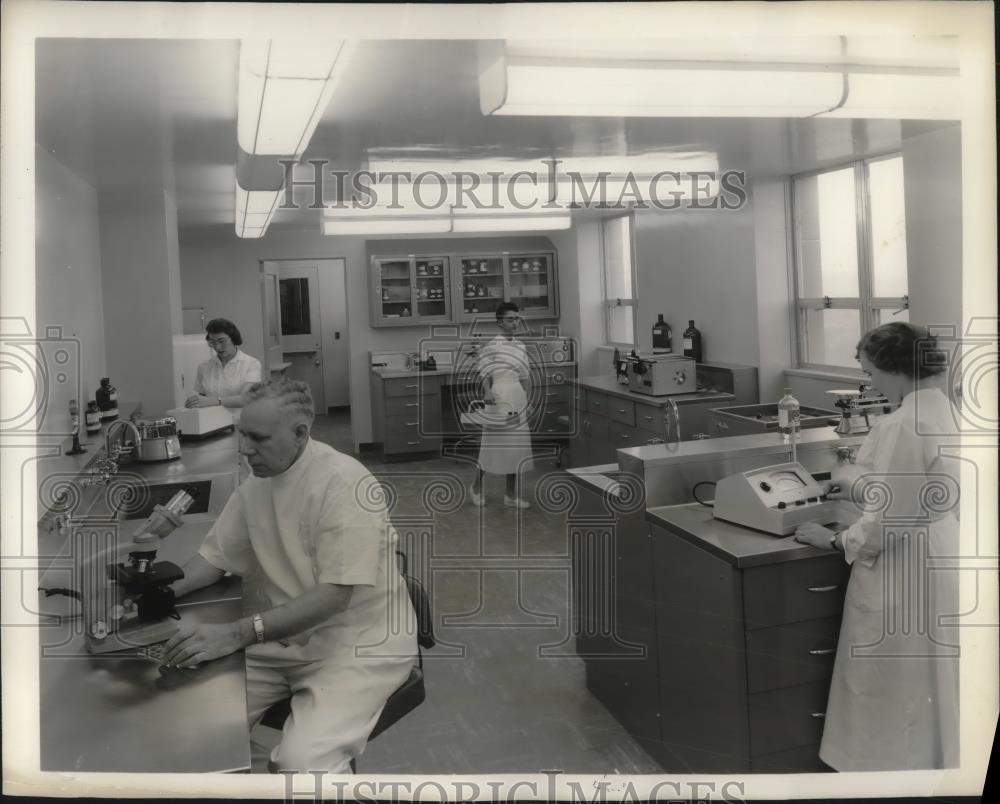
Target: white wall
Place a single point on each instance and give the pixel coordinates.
(68, 273)
(932, 177)
(139, 305)
(700, 264)
(581, 294)
(220, 272)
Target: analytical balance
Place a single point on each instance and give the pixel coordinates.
(859, 408)
(775, 499)
(661, 375)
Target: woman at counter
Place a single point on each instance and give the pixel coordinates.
(503, 369)
(225, 378)
(893, 701)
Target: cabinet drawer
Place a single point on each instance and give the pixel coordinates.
(426, 423)
(621, 410)
(554, 418)
(551, 394)
(411, 405)
(597, 402)
(793, 654)
(649, 417)
(401, 442)
(794, 591)
(411, 386)
(787, 718)
(555, 376)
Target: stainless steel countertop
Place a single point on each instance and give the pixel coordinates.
(609, 385)
(740, 546)
(116, 711)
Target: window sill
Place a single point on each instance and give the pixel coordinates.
(823, 374)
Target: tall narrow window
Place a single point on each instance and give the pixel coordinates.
(850, 257)
(619, 282)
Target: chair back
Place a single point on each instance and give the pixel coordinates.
(421, 605)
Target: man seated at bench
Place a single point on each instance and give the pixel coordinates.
(309, 534)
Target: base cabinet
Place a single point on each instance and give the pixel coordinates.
(737, 662)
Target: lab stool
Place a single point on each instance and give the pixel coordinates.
(411, 693)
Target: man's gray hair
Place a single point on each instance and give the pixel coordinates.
(293, 395)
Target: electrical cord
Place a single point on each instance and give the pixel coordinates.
(694, 491)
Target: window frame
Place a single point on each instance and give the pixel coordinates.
(611, 304)
(868, 305)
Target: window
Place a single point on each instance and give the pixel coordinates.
(850, 257)
(619, 282)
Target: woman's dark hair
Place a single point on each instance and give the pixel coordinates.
(900, 348)
(223, 326)
(506, 307)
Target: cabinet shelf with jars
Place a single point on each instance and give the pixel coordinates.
(410, 290)
(527, 279)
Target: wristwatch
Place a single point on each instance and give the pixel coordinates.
(258, 627)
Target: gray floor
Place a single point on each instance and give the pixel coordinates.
(505, 691)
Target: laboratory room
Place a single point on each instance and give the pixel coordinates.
(492, 406)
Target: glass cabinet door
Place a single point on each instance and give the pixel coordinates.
(433, 288)
(531, 284)
(394, 288)
(482, 285)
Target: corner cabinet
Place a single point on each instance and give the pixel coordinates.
(410, 290)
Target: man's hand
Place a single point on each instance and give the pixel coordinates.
(194, 644)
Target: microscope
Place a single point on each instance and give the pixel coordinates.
(127, 603)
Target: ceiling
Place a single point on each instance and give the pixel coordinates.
(154, 112)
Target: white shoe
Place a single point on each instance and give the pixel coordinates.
(515, 502)
(477, 498)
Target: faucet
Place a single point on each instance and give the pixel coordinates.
(111, 455)
(673, 414)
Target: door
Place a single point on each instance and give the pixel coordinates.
(300, 327)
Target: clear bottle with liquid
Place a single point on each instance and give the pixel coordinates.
(788, 415)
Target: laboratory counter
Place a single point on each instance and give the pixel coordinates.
(607, 384)
(119, 711)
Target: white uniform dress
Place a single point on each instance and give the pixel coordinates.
(320, 521)
(506, 449)
(217, 380)
(894, 695)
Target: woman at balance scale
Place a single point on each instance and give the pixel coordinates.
(224, 378)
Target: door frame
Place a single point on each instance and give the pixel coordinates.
(276, 261)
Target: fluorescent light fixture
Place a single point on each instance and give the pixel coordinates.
(284, 88)
(254, 209)
(527, 79)
(382, 225)
(510, 223)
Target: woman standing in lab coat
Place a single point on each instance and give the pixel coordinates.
(503, 369)
(893, 701)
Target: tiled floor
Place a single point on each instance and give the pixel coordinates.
(505, 691)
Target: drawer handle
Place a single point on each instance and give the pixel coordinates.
(553, 410)
(597, 404)
(818, 715)
(412, 404)
(830, 588)
(648, 418)
(822, 651)
(411, 424)
(409, 386)
(722, 425)
(412, 443)
(621, 410)
(626, 435)
(551, 393)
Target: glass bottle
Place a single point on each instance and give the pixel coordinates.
(692, 342)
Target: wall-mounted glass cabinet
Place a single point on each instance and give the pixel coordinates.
(527, 279)
(410, 290)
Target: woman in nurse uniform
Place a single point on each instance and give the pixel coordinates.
(225, 378)
(893, 701)
(505, 449)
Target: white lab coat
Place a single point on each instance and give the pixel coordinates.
(893, 701)
(506, 449)
(321, 521)
(217, 380)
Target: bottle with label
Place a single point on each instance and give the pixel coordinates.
(107, 400)
(92, 417)
(788, 414)
(692, 342)
(662, 336)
